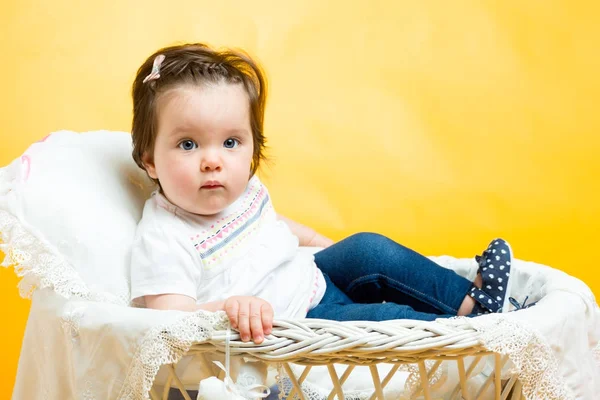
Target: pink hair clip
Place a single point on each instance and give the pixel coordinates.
(155, 74)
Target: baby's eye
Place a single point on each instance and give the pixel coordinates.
(187, 145)
(231, 143)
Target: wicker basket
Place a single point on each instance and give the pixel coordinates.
(311, 342)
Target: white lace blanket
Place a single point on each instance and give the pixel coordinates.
(91, 350)
(83, 348)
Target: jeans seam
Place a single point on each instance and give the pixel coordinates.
(436, 302)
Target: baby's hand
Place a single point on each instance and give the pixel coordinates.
(251, 316)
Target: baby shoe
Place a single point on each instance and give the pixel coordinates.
(494, 268)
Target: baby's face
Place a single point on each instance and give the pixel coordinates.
(203, 149)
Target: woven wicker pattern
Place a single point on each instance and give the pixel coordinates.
(322, 342)
(313, 342)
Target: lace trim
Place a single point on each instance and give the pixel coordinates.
(532, 356)
(166, 345)
(38, 265)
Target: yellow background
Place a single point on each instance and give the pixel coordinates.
(440, 124)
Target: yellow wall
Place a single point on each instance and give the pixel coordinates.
(440, 124)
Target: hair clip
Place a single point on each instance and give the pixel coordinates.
(155, 74)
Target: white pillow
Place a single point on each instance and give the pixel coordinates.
(69, 207)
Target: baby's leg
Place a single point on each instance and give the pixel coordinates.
(336, 305)
(371, 268)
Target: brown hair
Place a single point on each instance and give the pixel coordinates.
(196, 64)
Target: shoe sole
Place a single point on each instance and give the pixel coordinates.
(510, 279)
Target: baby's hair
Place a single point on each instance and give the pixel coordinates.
(195, 64)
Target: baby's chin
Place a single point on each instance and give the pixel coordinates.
(205, 210)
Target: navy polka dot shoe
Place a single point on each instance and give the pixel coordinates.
(494, 268)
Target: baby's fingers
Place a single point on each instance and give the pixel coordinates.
(256, 322)
(244, 320)
(267, 318)
(232, 308)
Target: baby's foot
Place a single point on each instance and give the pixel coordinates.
(494, 269)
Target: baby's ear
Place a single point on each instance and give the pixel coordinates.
(148, 162)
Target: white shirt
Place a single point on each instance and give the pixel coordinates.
(242, 251)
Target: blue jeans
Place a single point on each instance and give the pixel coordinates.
(367, 269)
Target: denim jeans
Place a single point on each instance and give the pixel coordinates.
(370, 277)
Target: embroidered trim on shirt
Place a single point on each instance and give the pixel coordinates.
(227, 233)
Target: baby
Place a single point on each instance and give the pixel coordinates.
(210, 238)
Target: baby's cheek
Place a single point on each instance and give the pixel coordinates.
(183, 176)
(186, 179)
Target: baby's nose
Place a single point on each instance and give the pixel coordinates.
(210, 162)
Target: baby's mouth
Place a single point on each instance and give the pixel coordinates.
(211, 185)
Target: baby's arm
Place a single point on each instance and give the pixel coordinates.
(306, 235)
(251, 316)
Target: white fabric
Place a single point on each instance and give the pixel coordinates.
(68, 211)
(83, 196)
(81, 349)
(257, 259)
